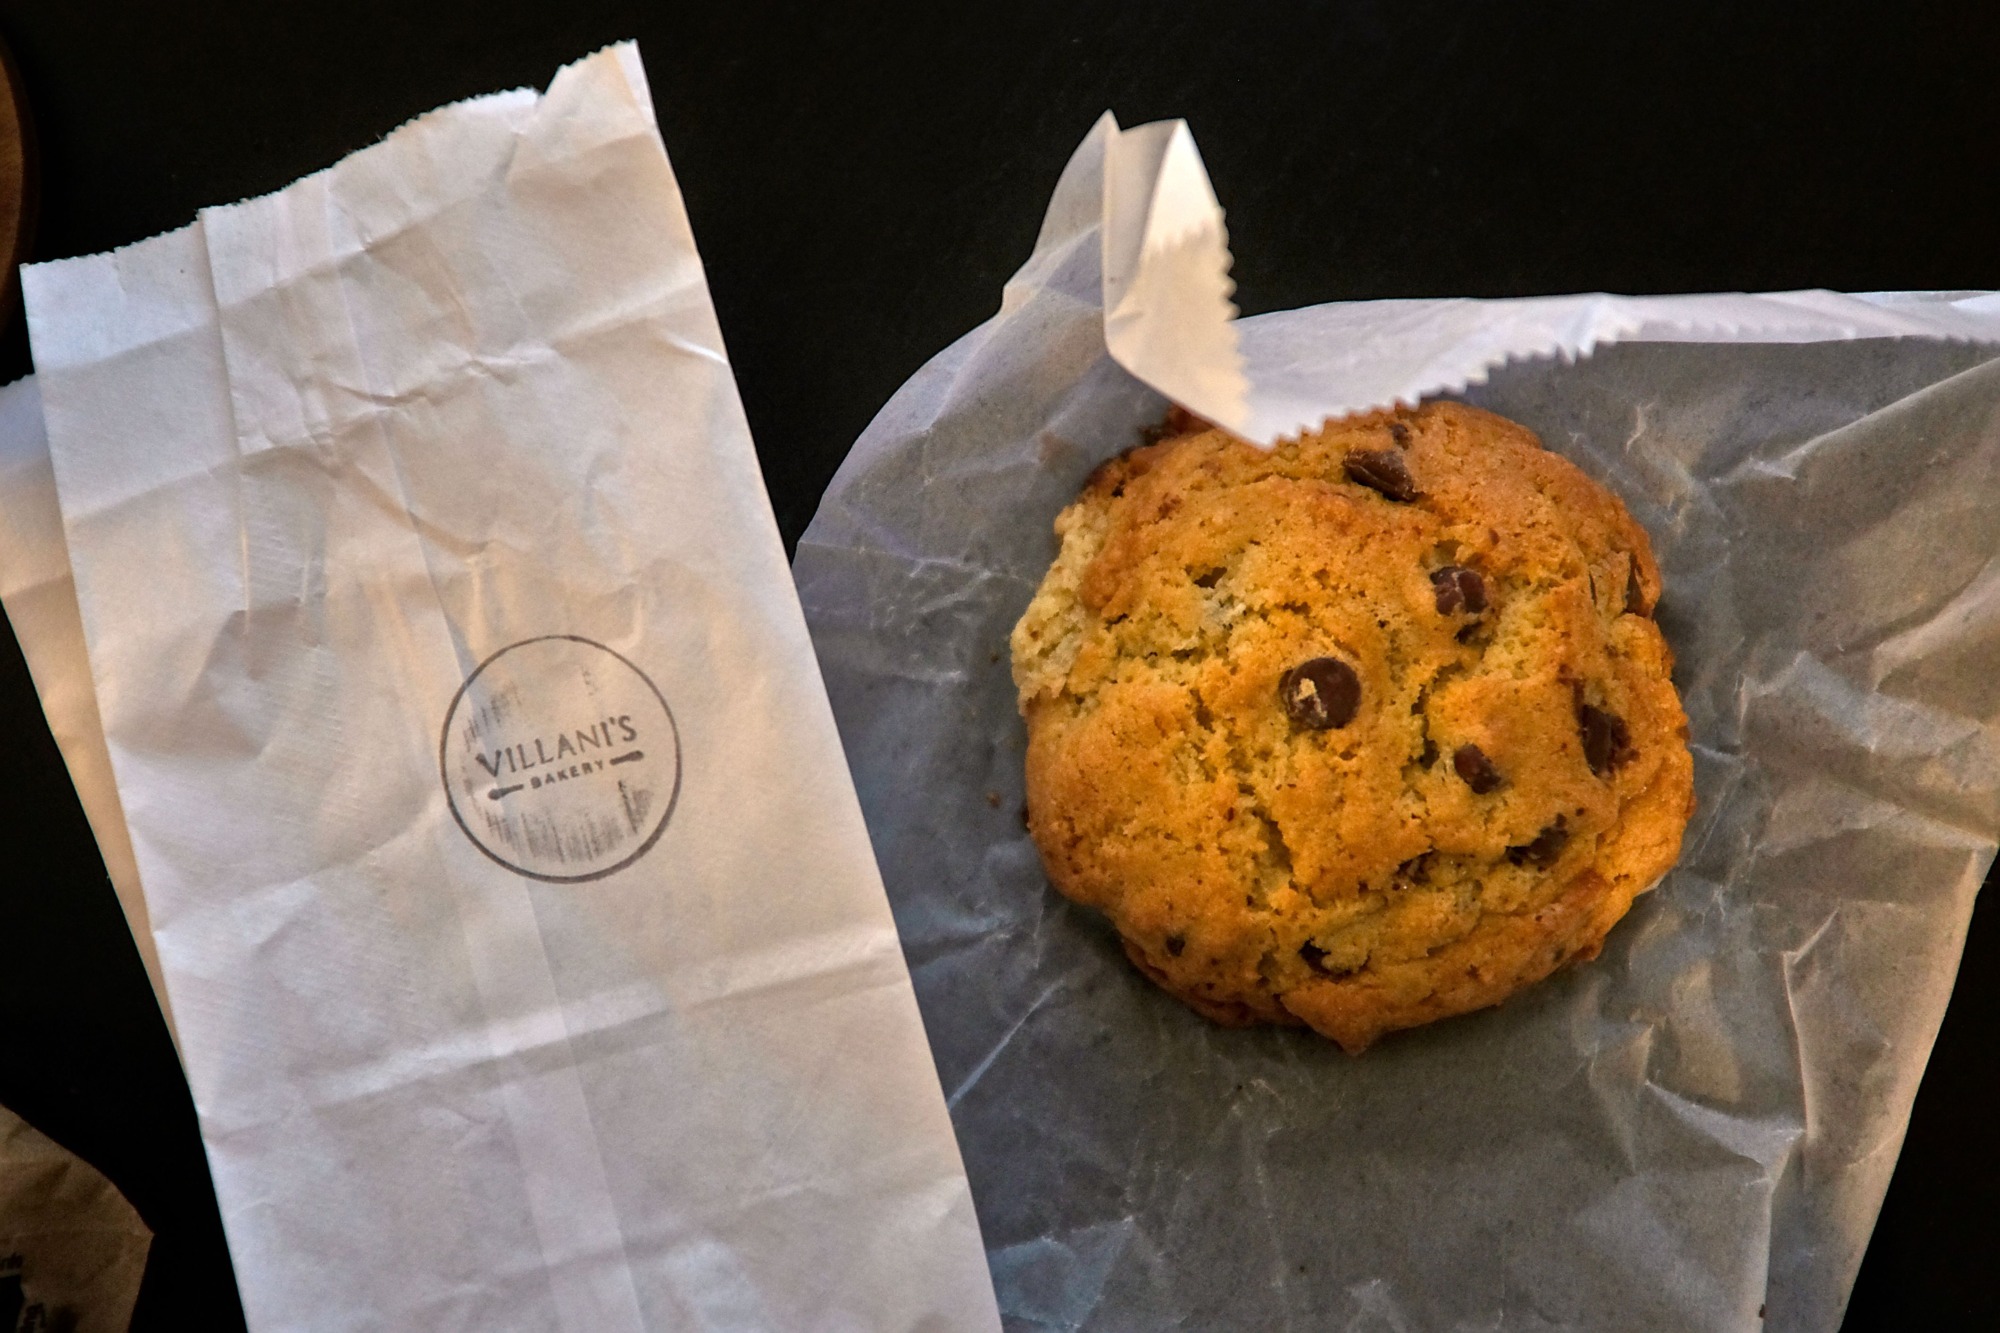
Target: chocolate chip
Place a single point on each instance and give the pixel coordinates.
(1381, 470)
(1607, 741)
(1321, 693)
(1471, 763)
(1176, 944)
(1400, 434)
(1545, 850)
(1458, 589)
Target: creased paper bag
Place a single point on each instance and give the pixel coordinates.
(527, 956)
(1693, 1132)
(40, 600)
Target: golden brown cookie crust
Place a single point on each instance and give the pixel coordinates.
(1513, 774)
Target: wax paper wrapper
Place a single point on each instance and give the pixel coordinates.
(72, 1250)
(528, 960)
(1694, 1131)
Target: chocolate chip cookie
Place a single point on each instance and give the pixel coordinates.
(1364, 731)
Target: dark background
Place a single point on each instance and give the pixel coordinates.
(862, 180)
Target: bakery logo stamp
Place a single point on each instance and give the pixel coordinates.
(560, 759)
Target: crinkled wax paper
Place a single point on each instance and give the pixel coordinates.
(72, 1250)
(1693, 1131)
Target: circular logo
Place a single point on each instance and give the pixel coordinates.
(560, 759)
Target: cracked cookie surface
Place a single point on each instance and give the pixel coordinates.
(1364, 731)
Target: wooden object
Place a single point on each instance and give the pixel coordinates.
(17, 182)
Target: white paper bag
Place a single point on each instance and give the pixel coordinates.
(529, 962)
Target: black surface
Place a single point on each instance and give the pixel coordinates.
(863, 179)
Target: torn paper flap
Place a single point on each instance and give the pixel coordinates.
(1169, 322)
(1167, 313)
